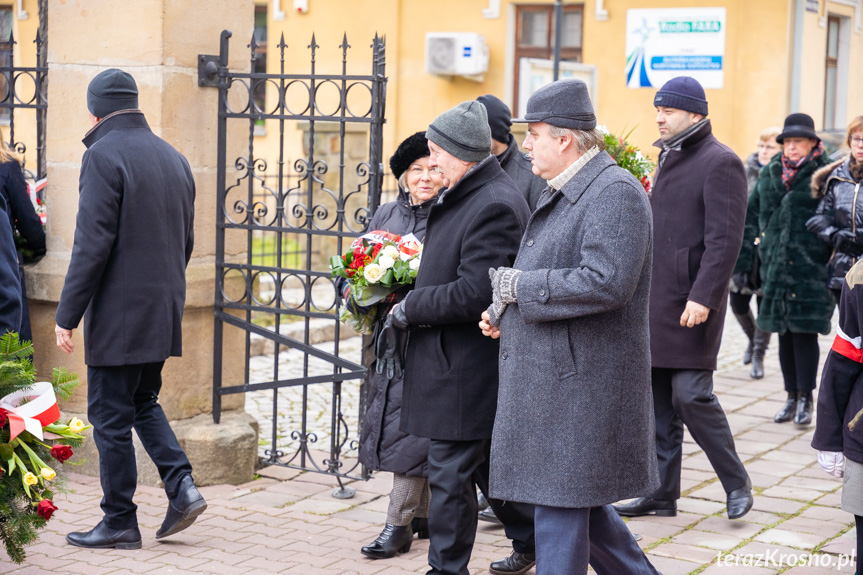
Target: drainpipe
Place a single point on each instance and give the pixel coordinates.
(558, 24)
(796, 55)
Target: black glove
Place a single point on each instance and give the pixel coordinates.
(843, 241)
(390, 349)
(740, 281)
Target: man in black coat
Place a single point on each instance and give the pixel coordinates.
(451, 376)
(514, 162)
(133, 240)
(699, 206)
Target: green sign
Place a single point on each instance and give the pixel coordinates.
(689, 26)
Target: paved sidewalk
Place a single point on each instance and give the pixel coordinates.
(287, 521)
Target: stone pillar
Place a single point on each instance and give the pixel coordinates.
(158, 42)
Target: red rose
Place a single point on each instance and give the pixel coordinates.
(376, 249)
(2, 417)
(46, 509)
(61, 452)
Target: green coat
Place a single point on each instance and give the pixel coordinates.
(793, 259)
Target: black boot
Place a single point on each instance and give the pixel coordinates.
(420, 526)
(787, 411)
(759, 346)
(394, 539)
(804, 409)
(747, 322)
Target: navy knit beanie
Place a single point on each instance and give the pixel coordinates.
(111, 91)
(682, 93)
(499, 117)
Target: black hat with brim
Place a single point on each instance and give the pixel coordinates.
(798, 126)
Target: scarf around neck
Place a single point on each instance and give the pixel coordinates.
(856, 169)
(790, 167)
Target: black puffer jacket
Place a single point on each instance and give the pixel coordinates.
(841, 208)
(383, 446)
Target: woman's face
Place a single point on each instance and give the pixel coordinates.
(855, 138)
(796, 149)
(423, 182)
(767, 149)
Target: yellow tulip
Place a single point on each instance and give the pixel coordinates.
(48, 474)
(30, 479)
(76, 425)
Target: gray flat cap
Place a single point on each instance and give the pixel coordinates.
(463, 132)
(565, 104)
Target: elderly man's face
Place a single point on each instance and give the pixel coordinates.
(451, 168)
(544, 151)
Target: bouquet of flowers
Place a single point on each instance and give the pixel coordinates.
(30, 436)
(377, 265)
(628, 157)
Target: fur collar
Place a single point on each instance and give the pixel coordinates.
(820, 178)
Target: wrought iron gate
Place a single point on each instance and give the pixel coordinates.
(290, 219)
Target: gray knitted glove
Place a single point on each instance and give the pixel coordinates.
(504, 291)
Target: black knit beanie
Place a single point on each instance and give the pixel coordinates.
(499, 117)
(682, 93)
(412, 149)
(111, 91)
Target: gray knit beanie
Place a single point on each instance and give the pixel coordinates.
(463, 132)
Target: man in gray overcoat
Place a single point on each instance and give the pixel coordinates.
(574, 425)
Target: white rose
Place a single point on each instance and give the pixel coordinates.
(414, 264)
(638, 155)
(373, 273)
(390, 252)
(386, 262)
(602, 129)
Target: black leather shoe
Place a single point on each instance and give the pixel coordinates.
(647, 506)
(787, 411)
(420, 526)
(488, 515)
(740, 501)
(183, 509)
(804, 410)
(516, 564)
(394, 539)
(103, 537)
(482, 502)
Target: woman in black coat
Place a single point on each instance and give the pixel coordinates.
(839, 218)
(740, 297)
(23, 220)
(796, 304)
(383, 446)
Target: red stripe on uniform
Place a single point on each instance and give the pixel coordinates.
(846, 348)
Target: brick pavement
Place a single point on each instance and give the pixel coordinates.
(287, 522)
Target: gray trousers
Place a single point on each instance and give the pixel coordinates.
(408, 499)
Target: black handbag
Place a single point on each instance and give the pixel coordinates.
(754, 280)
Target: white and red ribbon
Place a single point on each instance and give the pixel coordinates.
(31, 409)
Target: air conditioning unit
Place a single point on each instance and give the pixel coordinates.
(456, 54)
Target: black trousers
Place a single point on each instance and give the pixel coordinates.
(456, 469)
(685, 396)
(120, 398)
(798, 358)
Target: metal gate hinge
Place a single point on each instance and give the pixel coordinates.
(208, 71)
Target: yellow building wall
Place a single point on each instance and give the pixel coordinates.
(757, 58)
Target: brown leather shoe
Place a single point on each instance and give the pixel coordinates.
(516, 564)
